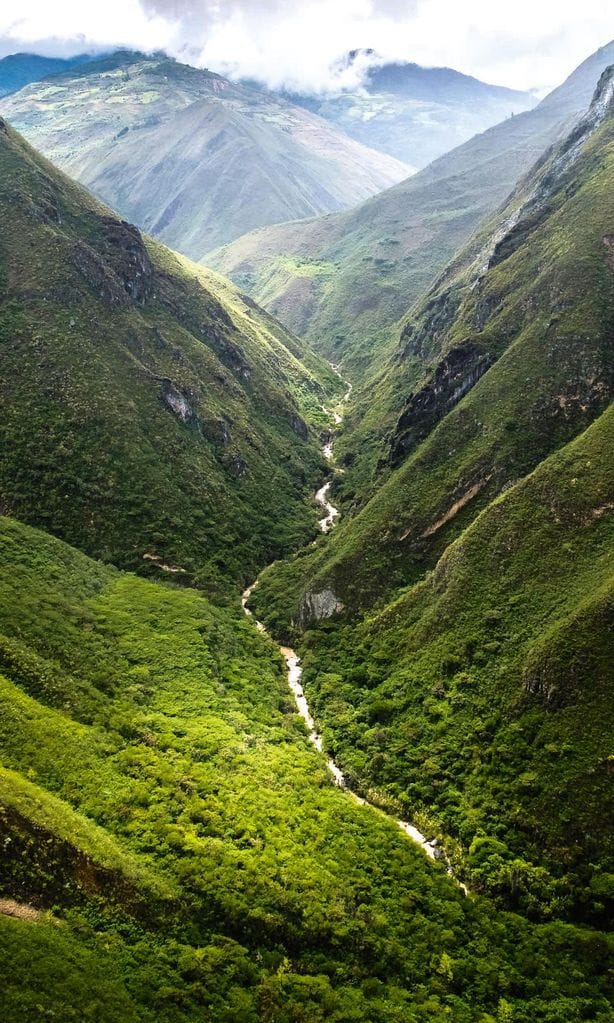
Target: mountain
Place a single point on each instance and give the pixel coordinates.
(190, 157)
(344, 280)
(169, 424)
(174, 849)
(19, 69)
(416, 113)
(467, 606)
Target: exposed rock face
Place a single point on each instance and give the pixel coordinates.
(124, 272)
(236, 466)
(129, 259)
(234, 357)
(217, 430)
(178, 402)
(300, 426)
(537, 205)
(98, 274)
(316, 606)
(455, 375)
(418, 340)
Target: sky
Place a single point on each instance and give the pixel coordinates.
(300, 44)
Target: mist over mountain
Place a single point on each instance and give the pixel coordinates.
(412, 112)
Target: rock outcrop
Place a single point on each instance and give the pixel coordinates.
(454, 376)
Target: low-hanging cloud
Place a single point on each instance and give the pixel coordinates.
(301, 45)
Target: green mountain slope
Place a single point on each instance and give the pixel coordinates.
(190, 157)
(174, 849)
(484, 694)
(505, 362)
(151, 416)
(344, 280)
(481, 691)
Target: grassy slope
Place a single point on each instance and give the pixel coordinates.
(345, 279)
(482, 694)
(544, 317)
(190, 157)
(157, 411)
(159, 796)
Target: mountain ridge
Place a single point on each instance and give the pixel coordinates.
(188, 155)
(345, 280)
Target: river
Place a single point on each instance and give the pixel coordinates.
(295, 671)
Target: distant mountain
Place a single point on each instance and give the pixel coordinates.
(343, 279)
(190, 157)
(417, 113)
(151, 416)
(19, 69)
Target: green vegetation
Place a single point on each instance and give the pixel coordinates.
(392, 247)
(173, 846)
(151, 416)
(190, 849)
(540, 323)
(483, 695)
(464, 670)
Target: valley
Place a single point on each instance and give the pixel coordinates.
(293, 662)
(306, 686)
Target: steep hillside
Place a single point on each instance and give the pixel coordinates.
(19, 69)
(480, 690)
(504, 364)
(190, 157)
(151, 416)
(417, 113)
(174, 849)
(344, 280)
(484, 694)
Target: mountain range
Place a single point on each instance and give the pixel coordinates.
(185, 836)
(189, 156)
(415, 113)
(342, 280)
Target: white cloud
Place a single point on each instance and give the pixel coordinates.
(65, 27)
(524, 43)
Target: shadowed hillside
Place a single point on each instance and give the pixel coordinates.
(150, 415)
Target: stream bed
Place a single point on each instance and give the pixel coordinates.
(295, 671)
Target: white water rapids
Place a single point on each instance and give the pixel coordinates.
(295, 672)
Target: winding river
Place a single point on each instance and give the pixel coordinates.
(295, 671)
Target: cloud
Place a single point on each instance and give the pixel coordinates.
(524, 43)
(67, 27)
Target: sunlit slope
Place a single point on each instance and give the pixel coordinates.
(173, 846)
(150, 415)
